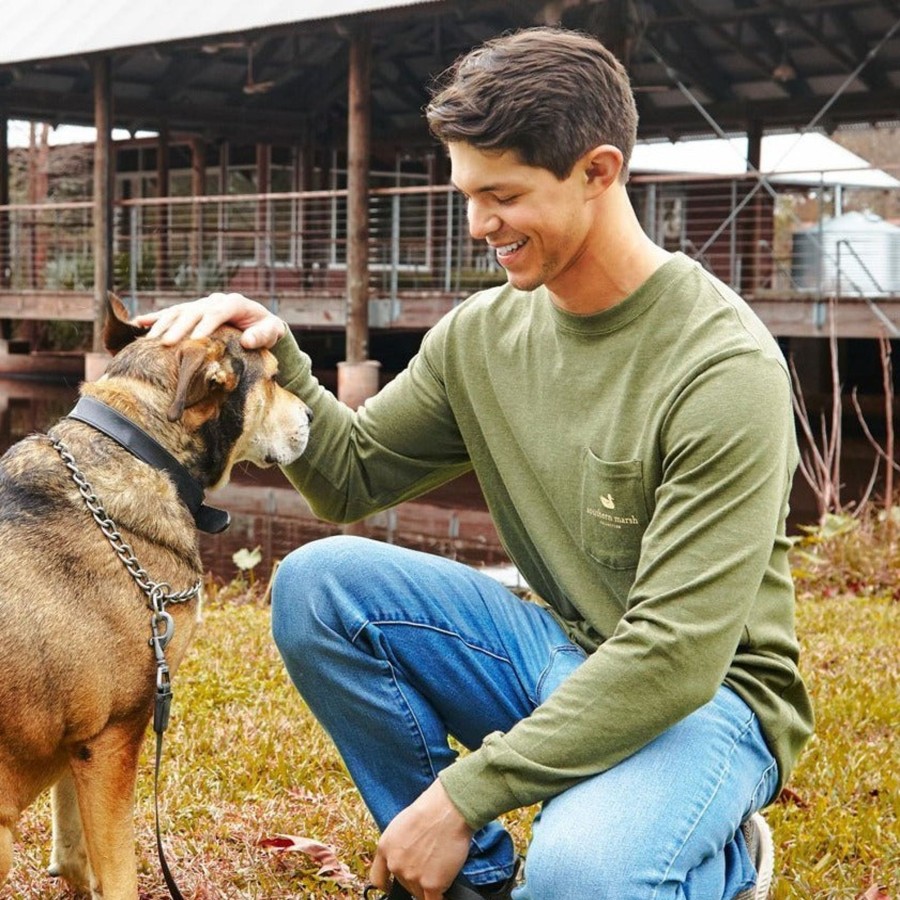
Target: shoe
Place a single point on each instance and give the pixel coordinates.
(758, 838)
(461, 889)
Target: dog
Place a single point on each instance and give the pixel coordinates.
(79, 635)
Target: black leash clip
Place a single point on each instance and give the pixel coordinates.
(163, 703)
(162, 627)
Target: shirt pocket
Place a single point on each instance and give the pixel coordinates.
(613, 511)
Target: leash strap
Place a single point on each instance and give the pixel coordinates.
(136, 441)
(161, 632)
(167, 875)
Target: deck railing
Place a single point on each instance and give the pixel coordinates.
(273, 246)
(269, 243)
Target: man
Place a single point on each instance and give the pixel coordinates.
(629, 420)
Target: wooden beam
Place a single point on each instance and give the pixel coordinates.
(103, 199)
(809, 317)
(43, 305)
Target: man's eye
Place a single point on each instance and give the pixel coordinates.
(505, 201)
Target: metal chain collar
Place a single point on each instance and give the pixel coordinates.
(159, 593)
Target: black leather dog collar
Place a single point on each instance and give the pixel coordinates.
(137, 442)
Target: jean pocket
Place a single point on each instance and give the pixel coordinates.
(613, 511)
(563, 662)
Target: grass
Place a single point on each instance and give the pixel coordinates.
(245, 761)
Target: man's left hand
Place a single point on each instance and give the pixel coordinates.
(424, 847)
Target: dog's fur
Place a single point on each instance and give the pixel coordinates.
(79, 676)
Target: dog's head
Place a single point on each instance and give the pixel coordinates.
(223, 397)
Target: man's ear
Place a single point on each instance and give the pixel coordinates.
(602, 166)
(118, 332)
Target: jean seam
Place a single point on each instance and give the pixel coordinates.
(412, 716)
(410, 712)
(445, 631)
(500, 872)
(757, 803)
(748, 724)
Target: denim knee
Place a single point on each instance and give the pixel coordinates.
(565, 867)
(303, 590)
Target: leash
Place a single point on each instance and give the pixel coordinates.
(162, 628)
(161, 707)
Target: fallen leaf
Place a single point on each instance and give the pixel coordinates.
(330, 866)
(789, 796)
(876, 892)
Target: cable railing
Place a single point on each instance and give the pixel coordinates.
(278, 242)
(796, 242)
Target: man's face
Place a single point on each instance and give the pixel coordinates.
(536, 224)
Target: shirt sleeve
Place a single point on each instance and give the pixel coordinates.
(728, 459)
(401, 443)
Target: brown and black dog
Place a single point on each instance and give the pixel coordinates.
(79, 675)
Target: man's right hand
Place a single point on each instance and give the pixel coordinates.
(200, 318)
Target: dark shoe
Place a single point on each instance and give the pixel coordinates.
(461, 889)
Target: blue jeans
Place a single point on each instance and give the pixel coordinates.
(394, 651)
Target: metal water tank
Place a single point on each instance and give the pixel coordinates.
(852, 254)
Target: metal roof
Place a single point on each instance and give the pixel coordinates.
(52, 29)
(276, 71)
(807, 159)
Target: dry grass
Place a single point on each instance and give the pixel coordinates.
(244, 761)
(837, 829)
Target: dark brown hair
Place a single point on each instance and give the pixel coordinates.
(549, 94)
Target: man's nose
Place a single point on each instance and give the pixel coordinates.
(482, 221)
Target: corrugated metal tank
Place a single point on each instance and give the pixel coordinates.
(855, 253)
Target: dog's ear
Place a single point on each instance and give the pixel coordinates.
(118, 332)
(203, 368)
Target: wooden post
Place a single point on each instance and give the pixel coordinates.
(198, 189)
(357, 375)
(754, 276)
(263, 248)
(4, 201)
(103, 180)
(5, 254)
(163, 276)
(358, 140)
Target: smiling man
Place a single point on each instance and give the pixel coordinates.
(629, 420)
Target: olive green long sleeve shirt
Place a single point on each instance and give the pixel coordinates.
(637, 464)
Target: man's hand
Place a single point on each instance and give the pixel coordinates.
(424, 847)
(200, 318)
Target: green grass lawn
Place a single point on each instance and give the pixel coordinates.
(244, 761)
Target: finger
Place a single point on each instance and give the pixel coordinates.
(264, 334)
(196, 319)
(208, 323)
(214, 311)
(175, 325)
(379, 873)
(145, 319)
